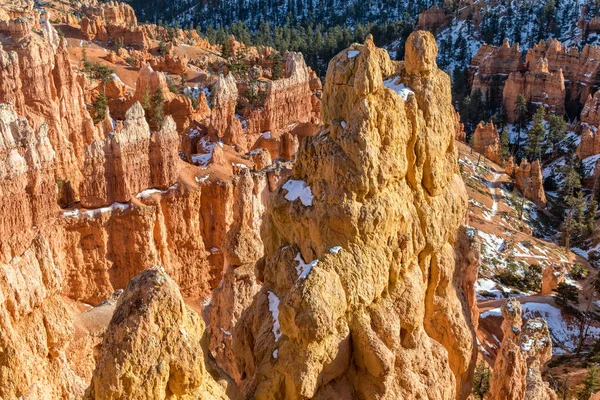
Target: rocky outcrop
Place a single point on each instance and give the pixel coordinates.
(528, 178)
(490, 68)
(433, 20)
(579, 68)
(27, 182)
(459, 127)
(590, 121)
(112, 22)
(179, 107)
(486, 141)
(242, 248)
(524, 350)
(36, 77)
(340, 313)
(223, 121)
(152, 348)
(35, 329)
(552, 276)
(540, 88)
(130, 161)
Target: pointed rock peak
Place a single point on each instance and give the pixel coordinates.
(136, 111)
(421, 52)
(506, 43)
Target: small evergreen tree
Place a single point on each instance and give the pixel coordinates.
(226, 48)
(163, 49)
(521, 114)
(504, 144)
(536, 134)
(591, 383)
(277, 70)
(573, 201)
(100, 106)
(157, 104)
(557, 130)
(566, 293)
(481, 381)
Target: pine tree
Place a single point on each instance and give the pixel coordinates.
(521, 113)
(157, 104)
(591, 383)
(567, 293)
(100, 106)
(481, 381)
(226, 48)
(277, 67)
(504, 144)
(573, 201)
(536, 134)
(557, 130)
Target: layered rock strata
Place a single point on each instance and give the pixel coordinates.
(361, 295)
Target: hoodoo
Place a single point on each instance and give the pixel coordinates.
(360, 296)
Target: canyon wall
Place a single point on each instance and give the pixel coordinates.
(341, 313)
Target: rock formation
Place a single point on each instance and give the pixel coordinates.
(152, 348)
(341, 313)
(524, 350)
(486, 141)
(130, 161)
(35, 329)
(490, 68)
(528, 178)
(433, 20)
(552, 276)
(579, 68)
(539, 86)
(242, 248)
(112, 22)
(36, 77)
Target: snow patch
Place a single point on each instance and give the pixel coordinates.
(298, 189)
(335, 249)
(353, 53)
(303, 269)
(274, 309)
(398, 87)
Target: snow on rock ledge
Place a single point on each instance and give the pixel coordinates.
(298, 190)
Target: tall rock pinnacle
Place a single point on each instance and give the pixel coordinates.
(361, 296)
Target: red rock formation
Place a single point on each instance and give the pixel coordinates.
(223, 121)
(459, 127)
(528, 178)
(179, 107)
(539, 87)
(36, 328)
(553, 275)
(28, 189)
(491, 66)
(580, 69)
(589, 144)
(433, 20)
(36, 76)
(524, 350)
(242, 248)
(130, 161)
(486, 141)
(112, 21)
